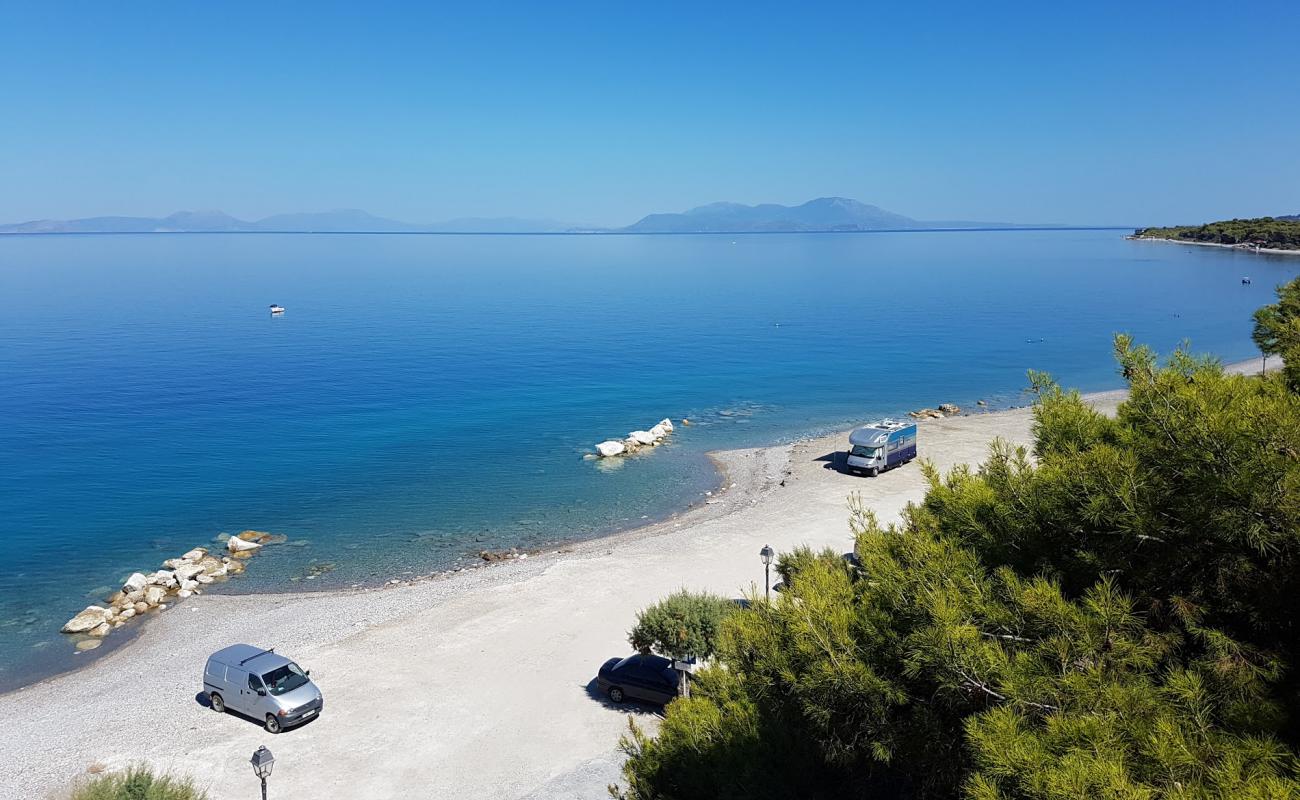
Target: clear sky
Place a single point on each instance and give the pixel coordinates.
(1090, 113)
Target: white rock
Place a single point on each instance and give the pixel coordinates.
(237, 544)
(658, 432)
(666, 424)
(101, 630)
(610, 448)
(184, 593)
(127, 613)
(154, 595)
(187, 572)
(195, 554)
(89, 619)
(204, 578)
(642, 437)
(164, 578)
(135, 583)
(141, 607)
(189, 586)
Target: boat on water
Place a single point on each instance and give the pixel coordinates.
(277, 309)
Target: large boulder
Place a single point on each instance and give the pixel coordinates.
(89, 619)
(239, 545)
(164, 579)
(187, 572)
(211, 565)
(667, 424)
(610, 448)
(642, 437)
(135, 583)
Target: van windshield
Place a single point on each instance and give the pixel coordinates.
(865, 452)
(284, 679)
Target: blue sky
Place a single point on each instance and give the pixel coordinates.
(1088, 113)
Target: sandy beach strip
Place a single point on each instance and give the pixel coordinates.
(1272, 251)
(475, 684)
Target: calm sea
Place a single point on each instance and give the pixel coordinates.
(427, 397)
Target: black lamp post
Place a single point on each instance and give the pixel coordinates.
(262, 762)
(766, 554)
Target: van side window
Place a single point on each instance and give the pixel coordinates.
(216, 670)
(254, 682)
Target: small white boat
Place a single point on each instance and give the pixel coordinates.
(275, 309)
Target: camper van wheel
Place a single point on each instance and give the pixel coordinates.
(272, 724)
(874, 471)
(218, 705)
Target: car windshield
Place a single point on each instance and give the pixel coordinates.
(284, 679)
(864, 451)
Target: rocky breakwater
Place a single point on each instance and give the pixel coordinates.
(636, 440)
(944, 410)
(181, 578)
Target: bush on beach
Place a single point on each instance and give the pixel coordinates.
(682, 626)
(137, 783)
(1113, 612)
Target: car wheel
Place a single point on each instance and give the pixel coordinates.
(272, 724)
(874, 471)
(616, 694)
(218, 705)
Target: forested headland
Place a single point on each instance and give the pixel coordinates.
(1274, 233)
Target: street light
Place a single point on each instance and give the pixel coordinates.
(262, 762)
(766, 554)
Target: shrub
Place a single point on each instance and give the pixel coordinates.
(137, 783)
(682, 626)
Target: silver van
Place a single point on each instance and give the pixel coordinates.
(261, 684)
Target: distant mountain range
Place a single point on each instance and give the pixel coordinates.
(822, 214)
(343, 221)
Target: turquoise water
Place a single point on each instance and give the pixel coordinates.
(426, 397)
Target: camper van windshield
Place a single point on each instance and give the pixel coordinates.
(284, 679)
(863, 451)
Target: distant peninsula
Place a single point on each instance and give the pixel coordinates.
(1264, 234)
(824, 214)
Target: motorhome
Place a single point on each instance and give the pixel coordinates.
(878, 446)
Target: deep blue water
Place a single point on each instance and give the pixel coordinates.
(426, 397)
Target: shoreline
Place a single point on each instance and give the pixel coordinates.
(1271, 251)
(485, 673)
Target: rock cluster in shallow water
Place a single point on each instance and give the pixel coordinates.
(944, 410)
(635, 441)
(179, 579)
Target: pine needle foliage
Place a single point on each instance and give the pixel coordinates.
(1110, 612)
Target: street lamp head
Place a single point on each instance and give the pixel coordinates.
(262, 762)
(766, 554)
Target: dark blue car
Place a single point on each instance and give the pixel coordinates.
(638, 677)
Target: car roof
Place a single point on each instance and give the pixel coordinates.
(255, 659)
(645, 661)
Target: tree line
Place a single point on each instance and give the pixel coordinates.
(1272, 232)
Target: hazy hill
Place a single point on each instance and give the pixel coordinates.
(340, 221)
(822, 214)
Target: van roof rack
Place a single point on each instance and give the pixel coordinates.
(255, 655)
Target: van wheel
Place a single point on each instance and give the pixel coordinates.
(874, 471)
(272, 724)
(218, 705)
(615, 694)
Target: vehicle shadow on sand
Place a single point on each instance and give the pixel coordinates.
(629, 706)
